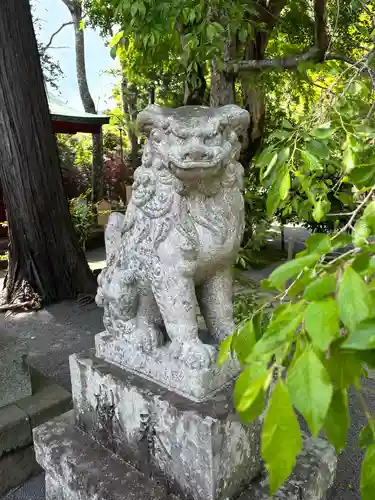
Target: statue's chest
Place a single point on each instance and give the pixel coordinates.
(219, 225)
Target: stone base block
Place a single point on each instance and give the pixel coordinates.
(15, 381)
(78, 468)
(17, 460)
(202, 448)
(312, 478)
(160, 367)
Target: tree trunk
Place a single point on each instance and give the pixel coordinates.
(129, 96)
(75, 9)
(195, 92)
(44, 255)
(151, 94)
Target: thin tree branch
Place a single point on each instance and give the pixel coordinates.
(339, 57)
(315, 53)
(356, 212)
(49, 44)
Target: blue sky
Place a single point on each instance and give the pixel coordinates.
(53, 13)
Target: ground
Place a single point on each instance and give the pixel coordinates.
(51, 335)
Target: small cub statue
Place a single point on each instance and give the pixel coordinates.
(173, 250)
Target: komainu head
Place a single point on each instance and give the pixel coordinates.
(194, 143)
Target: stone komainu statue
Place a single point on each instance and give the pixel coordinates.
(175, 246)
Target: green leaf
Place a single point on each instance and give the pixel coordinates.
(224, 350)
(116, 39)
(319, 243)
(320, 288)
(341, 241)
(244, 341)
(363, 176)
(286, 124)
(361, 263)
(363, 336)
(323, 132)
(280, 330)
(322, 323)
(134, 9)
(369, 216)
(266, 156)
(368, 358)
(361, 233)
(285, 186)
(251, 394)
(249, 391)
(113, 52)
(318, 149)
(348, 160)
(271, 164)
(310, 389)
(337, 421)
(291, 269)
(210, 32)
(280, 134)
(273, 199)
(368, 475)
(281, 437)
(344, 367)
(300, 283)
(311, 161)
(367, 435)
(283, 156)
(318, 212)
(353, 298)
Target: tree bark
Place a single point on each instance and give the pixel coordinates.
(151, 94)
(222, 87)
(129, 95)
(195, 93)
(75, 9)
(45, 258)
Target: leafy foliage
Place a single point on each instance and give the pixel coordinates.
(82, 217)
(319, 340)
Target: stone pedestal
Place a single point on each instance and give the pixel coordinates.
(197, 385)
(202, 449)
(130, 439)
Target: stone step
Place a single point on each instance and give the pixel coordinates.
(78, 468)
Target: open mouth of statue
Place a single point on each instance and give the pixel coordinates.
(194, 169)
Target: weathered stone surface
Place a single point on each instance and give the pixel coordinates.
(47, 403)
(78, 468)
(176, 244)
(15, 382)
(16, 422)
(160, 367)
(312, 478)
(15, 429)
(17, 467)
(201, 447)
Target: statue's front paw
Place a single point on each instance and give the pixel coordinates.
(147, 340)
(194, 354)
